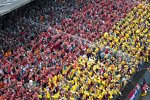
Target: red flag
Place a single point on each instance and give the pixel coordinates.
(131, 95)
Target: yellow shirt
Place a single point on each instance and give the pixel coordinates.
(56, 96)
(47, 95)
(40, 96)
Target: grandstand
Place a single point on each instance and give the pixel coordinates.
(74, 50)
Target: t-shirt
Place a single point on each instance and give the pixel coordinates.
(47, 95)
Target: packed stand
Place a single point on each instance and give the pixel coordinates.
(95, 18)
(38, 61)
(91, 77)
(132, 34)
(21, 25)
(29, 72)
(101, 74)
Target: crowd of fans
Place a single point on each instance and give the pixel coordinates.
(16, 28)
(60, 64)
(100, 74)
(95, 18)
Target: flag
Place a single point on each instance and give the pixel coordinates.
(131, 96)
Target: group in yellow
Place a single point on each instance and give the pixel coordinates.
(102, 75)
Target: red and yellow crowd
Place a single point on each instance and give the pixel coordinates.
(100, 74)
(64, 66)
